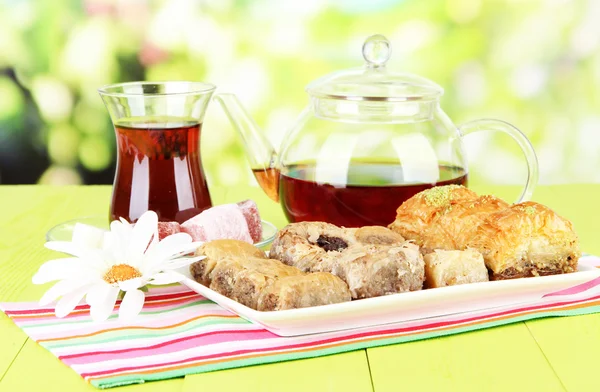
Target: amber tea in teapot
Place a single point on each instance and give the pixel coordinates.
(370, 196)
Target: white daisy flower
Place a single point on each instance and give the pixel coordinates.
(130, 257)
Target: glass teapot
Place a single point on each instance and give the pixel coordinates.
(368, 140)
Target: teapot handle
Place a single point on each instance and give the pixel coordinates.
(520, 138)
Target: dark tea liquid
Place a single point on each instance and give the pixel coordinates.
(373, 202)
(159, 169)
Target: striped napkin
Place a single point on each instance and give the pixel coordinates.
(179, 332)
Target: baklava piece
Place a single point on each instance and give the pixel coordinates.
(265, 284)
(218, 250)
(527, 239)
(372, 260)
(453, 267)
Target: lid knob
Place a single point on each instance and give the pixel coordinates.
(376, 50)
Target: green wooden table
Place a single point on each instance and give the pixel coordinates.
(561, 354)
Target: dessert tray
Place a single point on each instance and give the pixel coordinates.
(405, 306)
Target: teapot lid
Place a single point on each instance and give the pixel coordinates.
(374, 82)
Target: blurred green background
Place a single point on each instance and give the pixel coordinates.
(534, 63)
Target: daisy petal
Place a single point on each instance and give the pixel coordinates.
(67, 247)
(153, 243)
(69, 301)
(167, 277)
(108, 247)
(176, 261)
(182, 262)
(120, 234)
(176, 239)
(173, 241)
(182, 251)
(87, 255)
(173, 246)
(155, 237)
(97, 293)
(102, 309)
(58, 269)
(87, 236)
(126, 227)
(61, 288)
(131, 284)
(142, 234)
(189, 248)
(132, 304)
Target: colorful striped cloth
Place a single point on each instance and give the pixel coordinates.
(179, 332)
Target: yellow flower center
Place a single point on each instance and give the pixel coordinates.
(120, 272)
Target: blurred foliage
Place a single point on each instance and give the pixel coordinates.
(534, 63)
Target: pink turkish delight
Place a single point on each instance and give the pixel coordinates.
(239, 221)
(194, 229)
(221, 222)
(250, 212)
(165, 229)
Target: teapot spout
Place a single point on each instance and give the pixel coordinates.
(260, 153)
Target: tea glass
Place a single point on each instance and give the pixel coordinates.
(159, 167)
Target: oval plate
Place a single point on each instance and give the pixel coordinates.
(401, 307)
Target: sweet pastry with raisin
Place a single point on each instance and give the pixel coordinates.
(372, 260)
(526, 239)
(453, 267)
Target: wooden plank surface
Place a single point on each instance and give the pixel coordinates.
(348, 372)
(12, 340)
(498, 359)
(572, 344)
(36, 369)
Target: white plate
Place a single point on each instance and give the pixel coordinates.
(64, 231)
(403, 306)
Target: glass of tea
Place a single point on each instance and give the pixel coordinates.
(159, 167)
(369, 139)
